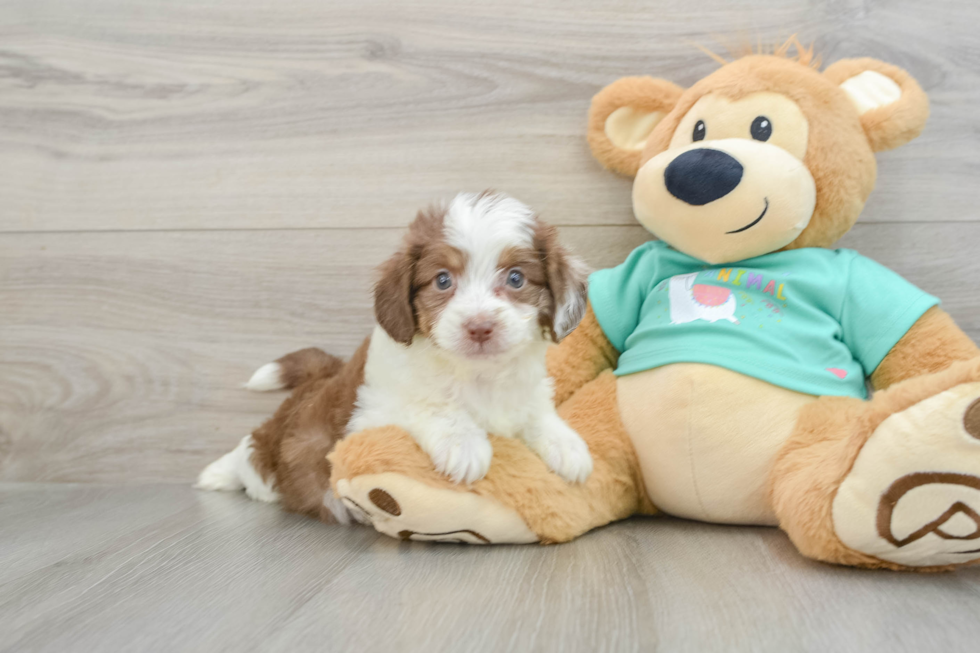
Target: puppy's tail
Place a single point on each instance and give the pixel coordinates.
(295, 369)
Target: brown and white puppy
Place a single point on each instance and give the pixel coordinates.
(466, 310)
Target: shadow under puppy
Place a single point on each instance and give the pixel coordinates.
(466, 310)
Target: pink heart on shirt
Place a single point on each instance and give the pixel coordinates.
(836, 371)
(710, 295)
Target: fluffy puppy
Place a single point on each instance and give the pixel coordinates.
(465, 313)
(466, 310)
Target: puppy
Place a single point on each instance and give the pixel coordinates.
(465, 313)
(466, 310)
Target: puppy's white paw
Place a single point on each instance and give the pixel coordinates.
(564, 451)
(340, 511)
(234, 471)
(266, 379)
(221, 475)
(463, 458)
(259, 490)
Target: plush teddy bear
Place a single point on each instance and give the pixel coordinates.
(720, 372)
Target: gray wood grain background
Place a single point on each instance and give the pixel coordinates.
(191, 188)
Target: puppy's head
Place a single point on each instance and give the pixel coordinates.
(479, 278)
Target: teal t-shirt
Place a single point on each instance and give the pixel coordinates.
(813, 320)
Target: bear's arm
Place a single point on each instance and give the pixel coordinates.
(581, 357)
(932, 344)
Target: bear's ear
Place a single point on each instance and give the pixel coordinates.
(892, 105)
(622, 116)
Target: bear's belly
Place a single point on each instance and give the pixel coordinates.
(706, 438)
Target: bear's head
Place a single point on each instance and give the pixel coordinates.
(764, 154)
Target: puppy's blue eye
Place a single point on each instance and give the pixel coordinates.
(515, 279)
(444, 281)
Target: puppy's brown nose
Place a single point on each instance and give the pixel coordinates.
(479, 329)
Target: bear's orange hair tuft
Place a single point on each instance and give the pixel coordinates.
(802, 54)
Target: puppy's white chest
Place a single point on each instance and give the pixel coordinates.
(418, 380)
(498, 408)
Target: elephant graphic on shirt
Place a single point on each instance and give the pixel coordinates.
(690, 301)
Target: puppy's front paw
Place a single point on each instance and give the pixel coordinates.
(564, 451)
(463, 458)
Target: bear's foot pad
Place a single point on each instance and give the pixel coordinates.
(913, 495)
(404, 508)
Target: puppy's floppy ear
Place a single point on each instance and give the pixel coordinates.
(621, 117)
(393, 297)
(567, 278)
(892, 105)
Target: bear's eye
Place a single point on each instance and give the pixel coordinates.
(699, 131)
(761, 129)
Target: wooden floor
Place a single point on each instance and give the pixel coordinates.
(165, 568)
(190, 188)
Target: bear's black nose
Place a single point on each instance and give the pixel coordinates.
(702, 175)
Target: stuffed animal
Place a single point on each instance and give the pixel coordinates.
(721, 372)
